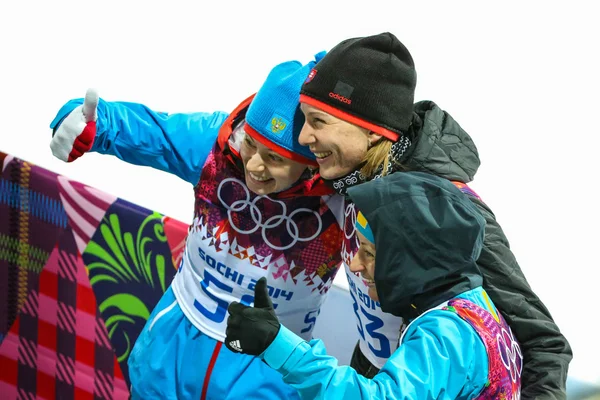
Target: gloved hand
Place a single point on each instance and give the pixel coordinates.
(76, 133)
(250, 330)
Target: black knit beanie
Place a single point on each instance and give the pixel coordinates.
(367, 81)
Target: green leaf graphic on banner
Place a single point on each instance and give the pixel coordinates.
(127, 304)
(127, 254)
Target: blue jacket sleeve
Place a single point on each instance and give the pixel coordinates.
(441, 357)
(176, 143)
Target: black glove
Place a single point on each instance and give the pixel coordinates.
(250, 330)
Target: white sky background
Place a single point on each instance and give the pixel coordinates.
(522, 79)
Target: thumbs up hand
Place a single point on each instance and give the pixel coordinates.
(250, 330)
(75, 135)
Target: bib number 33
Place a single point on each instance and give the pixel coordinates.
(378, 342)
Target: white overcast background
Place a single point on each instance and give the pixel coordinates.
(520, 77)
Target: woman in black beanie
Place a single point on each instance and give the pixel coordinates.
(361, 124)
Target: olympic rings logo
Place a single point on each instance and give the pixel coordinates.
(510, 353)
(350, 215)
(273, 222)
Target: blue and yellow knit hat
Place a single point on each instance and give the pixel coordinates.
(363, 227)
(274, 117)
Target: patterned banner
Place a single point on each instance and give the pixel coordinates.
(80, 272)
(130, 266)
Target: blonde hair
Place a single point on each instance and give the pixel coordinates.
(377, 156)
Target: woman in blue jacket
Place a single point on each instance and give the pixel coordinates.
(259, 212)
(428, 236)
